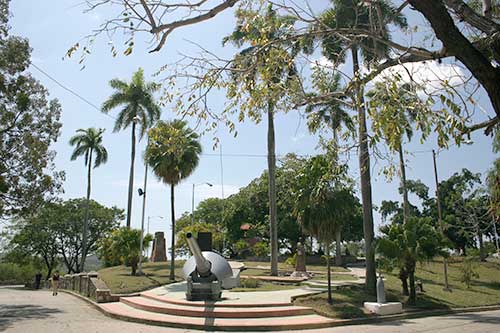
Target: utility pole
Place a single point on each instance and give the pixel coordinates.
(139, 271)
(438, 201)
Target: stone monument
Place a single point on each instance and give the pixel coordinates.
(381, 307)
(300, 263)
(159, 252)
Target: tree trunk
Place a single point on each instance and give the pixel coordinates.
(87, 212)
(406, 204)
(482, 255)
(410, 267)
(172, 248)
(131, 178)
(403, 276)
(271, 165)
(328, 273)
(338, 247)
(487, 8)
(366, 187)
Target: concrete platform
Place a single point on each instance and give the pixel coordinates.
(237, 311)
(384, 308)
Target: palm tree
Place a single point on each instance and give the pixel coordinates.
(323, 201)
(87, 144)
(358, 14)
(173, 153)
(139, 107)
(253, 67)
(332, 114)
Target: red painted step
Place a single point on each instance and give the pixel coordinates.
(126, 312)
(166, 299)
(210, 311)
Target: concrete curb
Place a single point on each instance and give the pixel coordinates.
(336, 323)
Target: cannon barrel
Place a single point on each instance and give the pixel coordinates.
(203, 266)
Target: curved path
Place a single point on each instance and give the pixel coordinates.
(39, 312)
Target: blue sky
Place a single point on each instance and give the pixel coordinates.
(53, 28)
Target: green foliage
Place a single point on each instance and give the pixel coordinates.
(468, 271)
(181, 243)
(29, 125)
(261, 249)
(123, 246)
(173, 151)
(292, 260)
(137, 100)
(55, 232)
(89, 142)
(250, 283)
(12, 273)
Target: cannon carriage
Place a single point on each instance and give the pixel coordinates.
(207, 273)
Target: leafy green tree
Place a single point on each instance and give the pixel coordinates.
(29, 125)
(173, 153)
(138, 107)
(262, 72)
(324, 202)
(493, 181)
(88, 143)
(124, 246)
(36, 237)
(403, 245)
(71, 214)
(354, 14)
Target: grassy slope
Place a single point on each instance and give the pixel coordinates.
(120, 281)
(485, 290)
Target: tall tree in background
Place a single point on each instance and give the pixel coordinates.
(139, 107)
(87, 144)
(354, 14)
(173, 153)
(262, 71)
(29, 125)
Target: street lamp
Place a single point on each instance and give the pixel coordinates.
(192, 200)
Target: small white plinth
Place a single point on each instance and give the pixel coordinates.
(384, 308)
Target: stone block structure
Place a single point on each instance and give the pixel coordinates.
(159, 252)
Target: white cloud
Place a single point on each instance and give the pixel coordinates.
(430, 74)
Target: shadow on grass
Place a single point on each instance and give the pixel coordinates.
(10, 314)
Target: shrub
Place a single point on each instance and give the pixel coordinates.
(11, 273)
(468, 271)
(261, 249)
(291, 261)
(250, 283)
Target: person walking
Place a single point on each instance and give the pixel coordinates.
(55, 283)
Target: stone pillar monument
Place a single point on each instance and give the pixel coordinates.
(300, 263)
(159, 252)
(382, 307)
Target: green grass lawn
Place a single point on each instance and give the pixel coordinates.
(484, 290)
(120, 281)
(288, 268)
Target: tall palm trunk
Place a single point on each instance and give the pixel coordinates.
(172, 248)
(271, 165)
(406, 204)
(87, 212)
(338, 232)
(366, 188)
(328, 272)
(131, 177)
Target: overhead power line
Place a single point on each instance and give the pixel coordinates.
(71, 91)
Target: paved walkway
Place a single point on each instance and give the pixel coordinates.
(24, 311)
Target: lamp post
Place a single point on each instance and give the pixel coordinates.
(192, 200)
